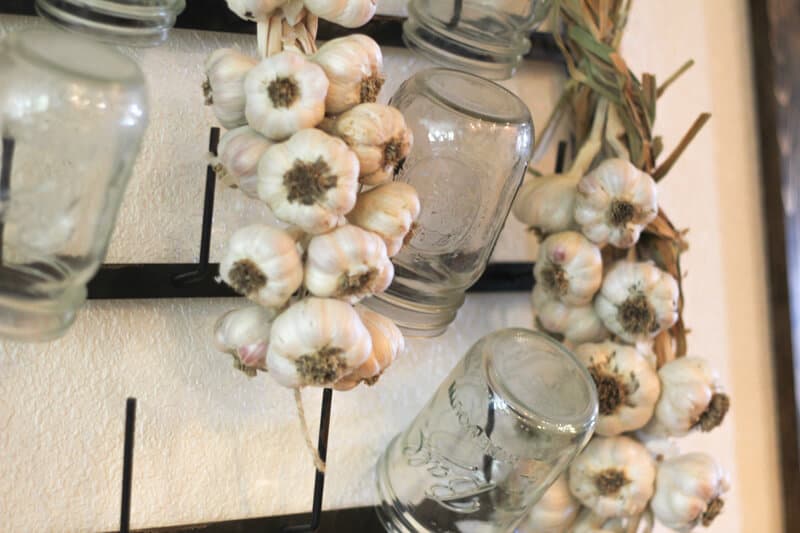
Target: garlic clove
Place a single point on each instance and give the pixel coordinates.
(637, 301)
(285, 93)
(347, 13)
(226, 70)
(316, 342)
(387, 343)
(389, 211)
(613, 476)
(354, 67)
(348, 263)
(310, 181)
(569, 267)
(379, 136)
(244, 333)
(627, 386)
(262, 263)
(239, 152)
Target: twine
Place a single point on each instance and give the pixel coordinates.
(301, 414)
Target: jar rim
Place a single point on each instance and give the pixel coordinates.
(583, 417)
(494, 104)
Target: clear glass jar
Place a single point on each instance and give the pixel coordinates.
(127, 22)
(499, 430)
(485, 37)
(472, 142)
(72, 115)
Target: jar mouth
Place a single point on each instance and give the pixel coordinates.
(474, 96)
(128, 22)
(65, 52)
(540, 380)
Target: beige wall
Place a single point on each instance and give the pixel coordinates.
(214, 445)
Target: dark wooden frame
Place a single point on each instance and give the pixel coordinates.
(776, 48)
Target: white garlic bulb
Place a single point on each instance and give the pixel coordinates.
(637, 301)
(554, 512)
(347, 13)
(387, 343)
(262, 263)
(689, 491)
(239, 151)
(354, 66)
(226, 70)
(310, 181)
(547, 204)
(691, 398)
(244, 333)
(613, 476)
(569, 267)
(316, 342)
(615, 202)
(378, 135)
(627, 386)
(388, 210)
(348, 263)
(285, 93)
(577, 324)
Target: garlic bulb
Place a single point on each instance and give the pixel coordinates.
(554, 512)
(613, 476)
(577, 324)
(347, 13)
(637, 301)
(348, 263)
(263, 264)
(689, 491)
(388, 210)
(311, 180)
(627, 386)
(569, 267)
(691, 398)
(387, 343)
(547, 204)
(226, 70)
(244, 333)
(316, 342)
(254, 10)
(285, 93)
(378, 135)
(354, 66)
(615, 202)
(239, 151)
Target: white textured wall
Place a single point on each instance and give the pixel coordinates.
(213, 445)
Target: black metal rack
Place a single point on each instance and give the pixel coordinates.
(196, 280)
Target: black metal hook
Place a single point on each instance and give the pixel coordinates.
(203, 269)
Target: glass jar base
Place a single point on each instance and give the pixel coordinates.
(493, 60)
(413, 318)
(41, 319)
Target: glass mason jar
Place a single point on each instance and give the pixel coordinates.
(127, 22)
(72, 115)
(486, 37)
(499, 430)
(472, 142)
